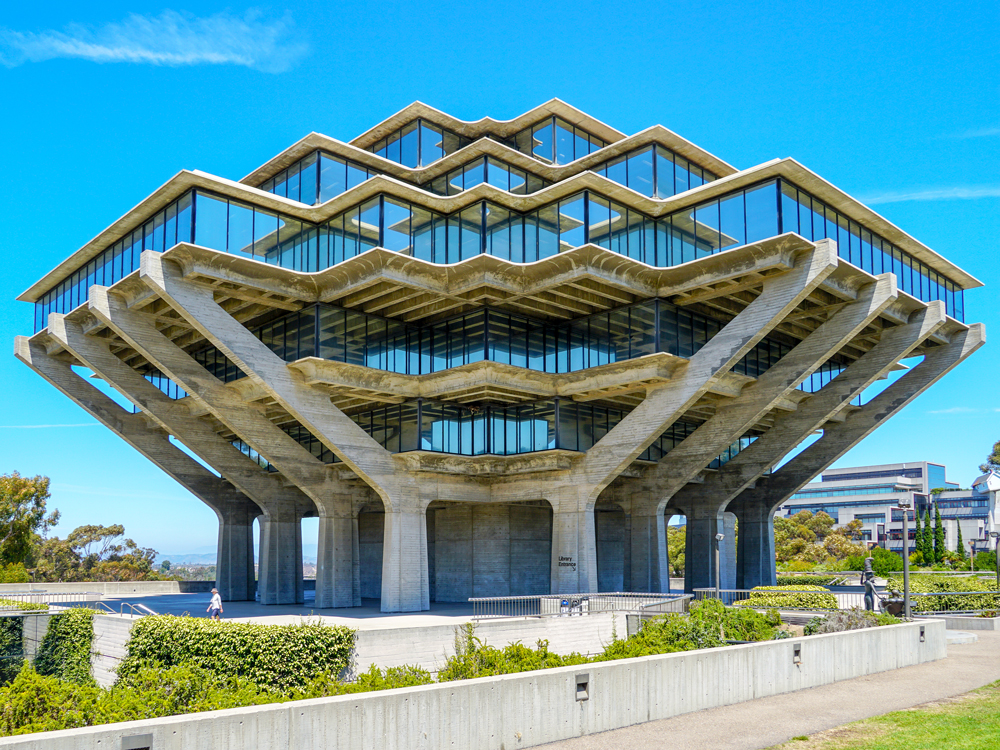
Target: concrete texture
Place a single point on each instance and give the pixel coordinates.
(111, 634)
(529, 709)
(765, 722)
(971, 623)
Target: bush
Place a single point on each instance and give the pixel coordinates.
(65, 650)
(14, 573)
(11, 647)
(850, 619)
(884, 562)
(807, 580)
(986, 561)
(773, 597)
(278, 658)
(474, 658)
(945, 584)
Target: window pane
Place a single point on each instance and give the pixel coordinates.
(564, 142)
(408, 146)
(640, 172)
(542, 140)
(762, 212)
(211, 226)
(241, 229)
(397, 227)
(732, 225)
(332, 178)
(431, 144)
(307, 176)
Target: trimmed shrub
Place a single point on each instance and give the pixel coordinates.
(807, 580)
(945, 584)
(65, 650)
(849, 619)
(884, 562)
(11, 647)
(278, 658)
(769, 597)
(14, 573)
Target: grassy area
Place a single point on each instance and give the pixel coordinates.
(966, 722)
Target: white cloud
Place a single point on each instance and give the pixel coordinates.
(934, 194)
(963, 410)
(979, 133)
(45, 426)
(171, 38)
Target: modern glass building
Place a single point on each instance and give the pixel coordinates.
(871, 494)
(494, 357)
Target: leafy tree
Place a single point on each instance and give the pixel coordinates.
(22, 515)
(960, 549)
(992, 460)
(809, 538)
(939, 545)
(94, 553)
(165, 566)
(676, 546)
(918, 535)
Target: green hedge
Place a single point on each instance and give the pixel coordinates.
(944, 584)
(11, 647)
(808, 580)
(65, 649)
(279, 658)
(773, 597)
(14, 604)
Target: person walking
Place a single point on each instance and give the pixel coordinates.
(215, 606)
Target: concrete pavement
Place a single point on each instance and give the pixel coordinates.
(766, 722)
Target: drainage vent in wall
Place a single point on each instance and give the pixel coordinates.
(138, 742)
(583, 687)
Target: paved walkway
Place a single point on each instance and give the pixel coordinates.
(770, 721)
(367, 617)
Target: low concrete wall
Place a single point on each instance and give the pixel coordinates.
(970, 623)
(430, 647)
(123, 588)
(528, 709)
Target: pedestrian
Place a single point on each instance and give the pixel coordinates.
(215, 606)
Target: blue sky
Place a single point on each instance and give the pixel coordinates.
(896, 103)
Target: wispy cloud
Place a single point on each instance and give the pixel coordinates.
(978, 133)
(934, 194)
(45, 426)
(171, 38)
(963, 410)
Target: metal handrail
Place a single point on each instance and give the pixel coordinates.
(559, 605)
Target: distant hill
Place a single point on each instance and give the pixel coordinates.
(207, 556)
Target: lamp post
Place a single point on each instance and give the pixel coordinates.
(718, 569)
(904, 505)
(996, 552)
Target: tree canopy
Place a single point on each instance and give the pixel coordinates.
(992, 460)
(22, 514)
(805, 537)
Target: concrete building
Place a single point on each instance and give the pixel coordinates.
(495, 357)
(871, 494)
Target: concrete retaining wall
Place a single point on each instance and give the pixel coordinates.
(971, 623)
(111, 633)
(430, 647)
(524, 710)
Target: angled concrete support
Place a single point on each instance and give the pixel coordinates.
(292, 460)
(234, 562)
(759, 503)
(336, 553)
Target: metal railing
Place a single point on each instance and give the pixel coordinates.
(562, 605)
(677, 604)
(134, 610)
(954, 603)
(14, 601)
(784, 599)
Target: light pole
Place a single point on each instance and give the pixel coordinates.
(904, 505)
(718, 569)
(996, 552)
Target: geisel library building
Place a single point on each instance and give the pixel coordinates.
(496, 357)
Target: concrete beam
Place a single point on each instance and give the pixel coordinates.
(758, 504)
(235, 511)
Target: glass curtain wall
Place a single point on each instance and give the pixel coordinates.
(493, 429)
(491, 171)
(737, 218)
(340, 335)
(655, 171)
(418, 144)
(555, 141)
(317, 178)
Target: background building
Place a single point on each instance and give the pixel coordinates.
(495, 357)
(871, 494)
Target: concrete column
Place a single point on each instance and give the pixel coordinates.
(574, 551)
(699, 552)
(405, 578)
(755, 560)
(281, 559)
(335, 557)
(648, 546)
(234, 571)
